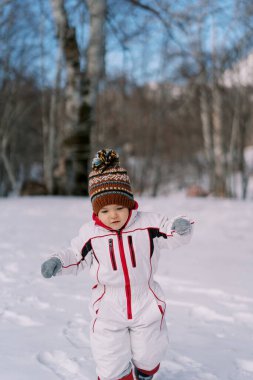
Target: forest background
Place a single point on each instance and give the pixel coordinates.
(168, 84)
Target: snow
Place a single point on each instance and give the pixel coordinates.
(44, 324)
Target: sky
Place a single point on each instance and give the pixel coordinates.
(150, 56)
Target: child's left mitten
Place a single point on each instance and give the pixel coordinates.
(51, 267)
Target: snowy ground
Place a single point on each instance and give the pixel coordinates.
(208, 285)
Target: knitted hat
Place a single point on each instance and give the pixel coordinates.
(109, 182)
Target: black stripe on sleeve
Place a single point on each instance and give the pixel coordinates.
(154, 233)
(86, 249)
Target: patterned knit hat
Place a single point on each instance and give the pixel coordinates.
(109, 182)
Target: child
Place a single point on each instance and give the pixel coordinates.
(121, 246)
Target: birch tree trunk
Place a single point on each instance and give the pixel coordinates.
(7, 165)
(51, 141)
(220, 187)
(205, 115)
(245, 124)
(242, 164)
(95, 70)
(96, 48)
(233, 147)
(81, 91)
(7, 132)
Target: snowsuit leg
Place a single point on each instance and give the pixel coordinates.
(111, 350)
(117, 340)
(109, 335)
(149, 338)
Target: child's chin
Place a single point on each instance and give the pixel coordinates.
(116, 225)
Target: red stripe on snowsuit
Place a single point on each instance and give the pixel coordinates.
(71, 265)
(95, 320)
(162, 311)
(97, 261)
(99, 297)
(126, 276)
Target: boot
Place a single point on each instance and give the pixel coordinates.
(142, 376)
(127, 377)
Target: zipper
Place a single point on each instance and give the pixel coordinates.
(126, 275)
(131, 249)
(112, 255)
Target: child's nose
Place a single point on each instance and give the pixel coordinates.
(114, 214)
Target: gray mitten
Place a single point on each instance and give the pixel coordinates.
(50, 267)
(181, 226)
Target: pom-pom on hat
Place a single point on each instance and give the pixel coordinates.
(109, 183)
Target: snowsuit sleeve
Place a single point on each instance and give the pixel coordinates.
(168, 238)
(77, 256)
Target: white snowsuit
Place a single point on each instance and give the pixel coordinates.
(127, 305)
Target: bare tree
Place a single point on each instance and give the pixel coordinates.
(166, 125)
(19, 97)
(81, 90)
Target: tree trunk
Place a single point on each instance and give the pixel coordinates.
(244, 125)
(7, 165)
(220, 187)
(51, 142)
(81, 92)
(233, 148)
(205, 115)
(95, 57)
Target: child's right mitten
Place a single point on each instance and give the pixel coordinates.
(182, 226)
(51, 267)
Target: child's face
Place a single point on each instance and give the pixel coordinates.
(114, 216)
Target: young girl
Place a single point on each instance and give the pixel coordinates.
(121, 246)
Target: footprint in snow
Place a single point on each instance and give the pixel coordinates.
(77, 332)
(217, 294)
(34, 302)
(7, 246)
(245, 318)
(9, 272)
(6, 278)
(11, 268)
(208, 315)
(183, 368)
(234, 306)
(63, 366)
(246, 366)
(18, 319)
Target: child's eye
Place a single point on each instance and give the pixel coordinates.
(120, 208)
(104, 211)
